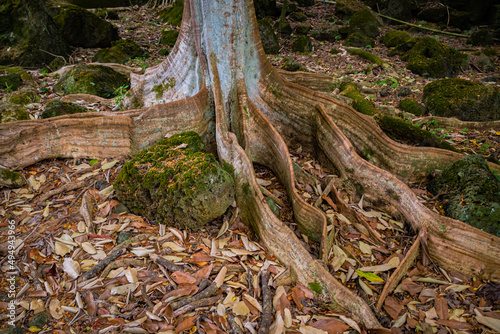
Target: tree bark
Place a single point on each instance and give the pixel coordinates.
(219, 83)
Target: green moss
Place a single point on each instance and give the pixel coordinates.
(15, 70)
(470, 192)
(464, 99)
(274, 91)
(11, 179)
(10, 112)
(367, 153)
(268, 38)
(160, 89)
(97, 80)
(432, 58)
(272, 205)
(302, 29)
(228, 167)
(120, 52)
(315, 287)
(169, 37)
(366, 55)
(411, 106)
(411, 134)
(395, 37)
(173, 14)
(365, 22)
(357, 39)
(23, 96)
(10, 81)
(246, 188)
(176, 183)
(350, 90)
(302, 44)
(481, 37)
(58, 108)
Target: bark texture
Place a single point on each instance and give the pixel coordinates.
(219, 83)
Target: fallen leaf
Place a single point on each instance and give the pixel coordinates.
(392, 307)
(369, 276)
(186, 324)
(182, 277)
(331, 326)
(55, 309)
(240, 308)
(71, 267)
(311, 330)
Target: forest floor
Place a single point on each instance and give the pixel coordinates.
(67, 221)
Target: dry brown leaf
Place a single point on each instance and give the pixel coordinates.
(182, 290)
(412, 287)
(441, 306)
(204, 272)
(392, 307)
(186, 324)
(311, 330)
(182, 277)
(455, 324)
(55, 309)
(71, 267)
(332, 326)
(240, 308)
(91, 305)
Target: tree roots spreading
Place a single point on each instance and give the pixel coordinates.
(219, 83)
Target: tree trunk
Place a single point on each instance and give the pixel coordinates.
(219, 83)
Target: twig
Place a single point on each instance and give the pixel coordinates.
(270, 194)
(267, 304)
(87, 170)
(423, 28)
(103, 263)
(80, 194)
(400, 271)
(325, 192)
(198, 303)
(121, 263)
(66, 187)
(145, 294)
(165, 263)
(234, 325)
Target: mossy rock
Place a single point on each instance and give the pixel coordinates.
(176, 183)
(413, 135)
(464, 99)
(346, 8)
(91, 79)
(403, 48)
(395, 37)
(25, 76)
(13, 330)
(283, 27)
(306, 3)
(23, 96)
(265, 8)
(359, 103)
(398, 9)
(39, 320)
(10, 112)
(169, 37)
(123, 236)
(432, 58)
(485, 64)
(83, 28)
(291, 65)
(164, 52)
(358, 40)
(412, 107)
(481, 37)
(58, 108)
(470, 192)
(56, 64)
(173, 15)
(366, 23)
(302, 29)
(302, 44)
(11, 179)
(10, 81)
(29, 29)
(120, 52)
(268, 38)
(107, 14)
(298, 17)
(334, 51)
(330, 35)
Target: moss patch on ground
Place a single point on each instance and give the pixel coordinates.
(470, 193)
(394, 38)
(400, 130)
(412, 107)
(120, 52)
(174, 182)
(10, 112)
(464, 99)
(58, 108)
(350, 90)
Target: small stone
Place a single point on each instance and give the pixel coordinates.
(11, 179)
(123, 236)
(404, 91)
(12, 330)
(39, 320)
(384, 93)
(120, 208)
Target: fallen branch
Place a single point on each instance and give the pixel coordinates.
(122, 263)
(400, 271)
(61, 189)
(198, 303)
(422, 27)
(103, 263)
(145, 293)
(267, 304)
(165, 263)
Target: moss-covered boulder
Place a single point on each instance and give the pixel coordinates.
(269, 40)
(346, 8)
(298, 17)
(330, 35)
(481, 37)
(107, 14)
(58, 108)
(283, 27)
(39, 321)
(432, 58)
(395, 37)
(12, 112)
(23, 96)
(173, 15)
(359, 40)
(464, 99)
(169, 37)
(91, 79)
(28, 31)
(13, 330)
(10, 82)
(412, 107)
(11, 179)
(83, 28)
(265, 8)
(174, 182)
(470, 192)
(410, 134)
(120, 52)
(291, 65)
(399, 9)
(302, 44)
(350, 90)
(484, 63)
(366, 23)
(302, 29)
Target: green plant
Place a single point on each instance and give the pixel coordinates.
(44, 71)
(121, 93)
(8, 88)
(432, 123)
(464, 131)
